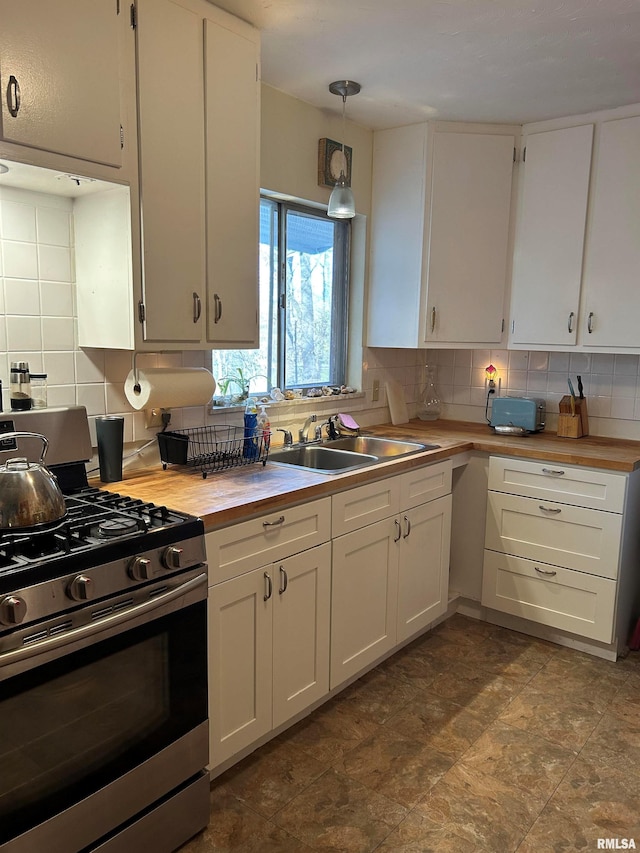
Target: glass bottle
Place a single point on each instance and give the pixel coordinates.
(429, 405)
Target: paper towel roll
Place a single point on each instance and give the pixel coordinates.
(169, 387)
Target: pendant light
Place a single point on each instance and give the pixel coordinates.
(342, 204)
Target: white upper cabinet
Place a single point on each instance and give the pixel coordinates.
(198, 108)
(547, 265)
(611, 292)
(172, 169)
(233, 184)
(439, 236)
(577, 251)
(59, 77)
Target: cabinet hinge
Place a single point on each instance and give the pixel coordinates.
(121, 137)
(142, 314)
(134, 17)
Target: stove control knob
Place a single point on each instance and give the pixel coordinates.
(81, 588)
(172, 558)
(140, 569)
(12, 610)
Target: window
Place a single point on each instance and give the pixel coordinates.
(303, 304)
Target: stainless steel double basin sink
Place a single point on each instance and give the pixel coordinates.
(346, 454)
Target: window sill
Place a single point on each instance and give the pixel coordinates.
(324, 404)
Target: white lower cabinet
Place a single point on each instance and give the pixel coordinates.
(560, 548)
(268, 648)
(390, 578)
(293, 615)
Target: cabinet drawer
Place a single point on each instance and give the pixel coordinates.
(550, 595)
(555, 482)
(425, 484)
(364, 505)
(569, 536)
(251, 544)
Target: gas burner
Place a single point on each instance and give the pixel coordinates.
(114, 527)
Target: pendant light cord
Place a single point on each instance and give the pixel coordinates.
(343, 162)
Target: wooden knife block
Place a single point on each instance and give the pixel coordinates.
(573, 425)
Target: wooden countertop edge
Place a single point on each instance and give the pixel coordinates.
(242, 493)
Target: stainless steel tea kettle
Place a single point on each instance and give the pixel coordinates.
(30, 497)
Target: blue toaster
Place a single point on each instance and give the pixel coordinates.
(526, 412)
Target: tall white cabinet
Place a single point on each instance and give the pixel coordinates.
(198, 107)
(439, 235)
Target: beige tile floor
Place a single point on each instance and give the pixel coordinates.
(473, 738)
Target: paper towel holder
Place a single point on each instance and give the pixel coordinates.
(137, 387)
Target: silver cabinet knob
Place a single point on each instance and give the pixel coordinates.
(81, 588)
(13, 609)
(140, 569)
(172, 557)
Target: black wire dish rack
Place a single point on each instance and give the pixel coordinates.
(213, 448)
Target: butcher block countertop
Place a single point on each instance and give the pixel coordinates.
(231, 496)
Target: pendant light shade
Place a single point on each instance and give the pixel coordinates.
(342, 204)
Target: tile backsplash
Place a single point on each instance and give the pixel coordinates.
(38, 311)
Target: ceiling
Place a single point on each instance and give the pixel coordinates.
(510, 61)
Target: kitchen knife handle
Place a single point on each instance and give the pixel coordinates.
(570, 323)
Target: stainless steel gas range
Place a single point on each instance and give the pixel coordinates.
(103, 668)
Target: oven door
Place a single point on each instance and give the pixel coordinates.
(98, 724)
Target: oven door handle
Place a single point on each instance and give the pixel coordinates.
(108, 622)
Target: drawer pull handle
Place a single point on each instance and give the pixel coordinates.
(407, 527)
(269, 586)
(275, 523)
(284, 581)
(545, 572)
(550, 510)
(553, 472)
(399, 529)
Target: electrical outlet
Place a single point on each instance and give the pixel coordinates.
(153, 418)
(375, 394)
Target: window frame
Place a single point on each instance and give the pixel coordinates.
(340, 290)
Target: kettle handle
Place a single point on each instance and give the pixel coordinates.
(4, 436)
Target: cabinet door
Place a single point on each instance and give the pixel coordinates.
(469, 235)
(240, 672)
(612, 259)
(550, 237)
(364, 595)
(423, 579)
(59, 77)
(232, 93)
(172, 173)
(301, 614)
